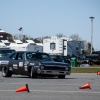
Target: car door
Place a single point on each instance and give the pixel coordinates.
(13, 63)
(20, 62)
(17, 63)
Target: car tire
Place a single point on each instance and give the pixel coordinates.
(33, 73)
(6, 72)
(61, 76)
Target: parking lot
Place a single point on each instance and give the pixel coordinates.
(51, 88)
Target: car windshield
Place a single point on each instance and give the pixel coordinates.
(40, 56)
(57, 57)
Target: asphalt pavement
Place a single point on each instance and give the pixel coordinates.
(48, 88)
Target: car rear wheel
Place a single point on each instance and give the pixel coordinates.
(6, 72)
(61, 76)
(33, 73)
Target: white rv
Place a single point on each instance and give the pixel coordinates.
(63, 46)
(29, 46)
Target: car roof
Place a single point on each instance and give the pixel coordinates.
(30, 52)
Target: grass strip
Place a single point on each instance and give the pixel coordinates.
(85, 69)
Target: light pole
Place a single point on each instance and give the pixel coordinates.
(91, 31)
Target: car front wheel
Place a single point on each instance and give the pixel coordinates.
(6, 72)
(33, 73)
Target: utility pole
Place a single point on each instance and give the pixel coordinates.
(91, 32)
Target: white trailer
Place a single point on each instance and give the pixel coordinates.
(55, 45)
(26, 47)
(29, 46)
(63, 46)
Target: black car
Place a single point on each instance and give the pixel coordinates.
(59, 58)
(5, 52)
(93, 59)
(33, 64)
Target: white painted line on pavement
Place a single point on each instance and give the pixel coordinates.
(55, 91)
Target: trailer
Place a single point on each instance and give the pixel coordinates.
(26, 47)
(29, 46)
(63, 46)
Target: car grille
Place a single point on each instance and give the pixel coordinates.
(54, 68)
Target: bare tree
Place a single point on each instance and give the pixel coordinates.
(75, 37)
(60, 35)
(46, 37)
(21, 36)
(41, 38)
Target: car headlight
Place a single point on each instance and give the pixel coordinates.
(41, 67)
(67, 68)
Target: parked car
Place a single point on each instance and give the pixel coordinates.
(33, 64)
(93, 59)
(5, 52)
(59, 58)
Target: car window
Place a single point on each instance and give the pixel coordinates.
(13, 56)
(58, 58)
(19, 56)
(53, 56)
(61, 58)
(40, 56)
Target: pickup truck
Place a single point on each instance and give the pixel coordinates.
(93, 58)
(33, 64)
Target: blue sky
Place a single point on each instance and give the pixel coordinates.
(50, 17)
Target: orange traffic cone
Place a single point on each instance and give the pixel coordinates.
(98, 73)
(85, 86)
(23, 88)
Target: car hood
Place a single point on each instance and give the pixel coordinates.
(54, 63)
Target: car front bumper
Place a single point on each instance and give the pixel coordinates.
(54, 72)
